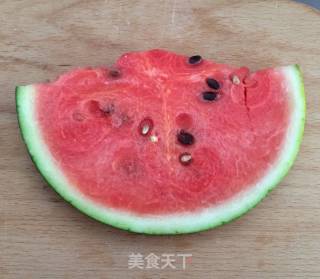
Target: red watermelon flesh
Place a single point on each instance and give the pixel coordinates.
(105, 155)
(91, 121)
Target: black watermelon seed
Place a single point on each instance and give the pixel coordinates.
(209, 96)
(185, 138)
(77, 116)
(114, 73)
(185, 158)
(195, 59)
(107, 109)
(212, 83)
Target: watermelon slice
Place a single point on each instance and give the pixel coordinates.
(163, 143)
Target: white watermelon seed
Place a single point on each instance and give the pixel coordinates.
(145, 126)
(145, 129)
(185, 158)
(236, 80)
(154, 138)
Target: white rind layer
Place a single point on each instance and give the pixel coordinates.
(173, 223)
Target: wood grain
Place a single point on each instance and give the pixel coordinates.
(41, 236)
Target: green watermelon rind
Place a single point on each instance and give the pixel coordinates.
(174, 223)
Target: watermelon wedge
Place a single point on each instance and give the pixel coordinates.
(163, 143)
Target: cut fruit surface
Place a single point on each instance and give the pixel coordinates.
(164, 146)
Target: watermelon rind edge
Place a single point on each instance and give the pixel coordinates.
(164, 224)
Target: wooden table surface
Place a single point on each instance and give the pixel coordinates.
(41, 236)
